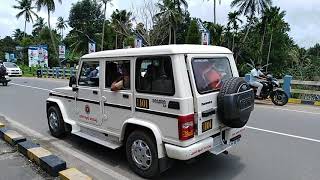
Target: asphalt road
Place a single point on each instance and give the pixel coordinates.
(279, 143)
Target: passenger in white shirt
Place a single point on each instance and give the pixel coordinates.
(255, 75)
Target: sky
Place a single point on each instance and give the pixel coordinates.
(303, 16)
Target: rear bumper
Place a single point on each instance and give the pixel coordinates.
(215, 145)
(185, 153)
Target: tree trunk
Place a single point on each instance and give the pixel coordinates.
(233, 42)
(262, 42)
(215, 11)
(116, 40)
(52, 39)
(25, 28)
(174, 36)
(170, 34)
(270, 44)
(103, 26)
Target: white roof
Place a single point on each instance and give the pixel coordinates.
(160, 50)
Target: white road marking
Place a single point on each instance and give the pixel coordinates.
(43, 89)
(292, 110)
(284, 134)
(69, 151)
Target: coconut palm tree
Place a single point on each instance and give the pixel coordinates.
(122, 24)
(178, 4)
(105, 2)
(169, 13)
(61, 25)
(26, 9)
(276, 22)
(215, 10)
(251, 8)
(234, 20)
(50, 6)
(38, 26)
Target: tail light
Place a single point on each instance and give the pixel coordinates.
(186, 127)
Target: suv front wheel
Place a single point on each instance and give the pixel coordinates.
(141, 152)
(56, 122)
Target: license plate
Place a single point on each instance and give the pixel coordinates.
(207, 125)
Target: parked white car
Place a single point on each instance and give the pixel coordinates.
(12, 69)
(161, 103)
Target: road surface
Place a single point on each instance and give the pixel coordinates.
(279, 143)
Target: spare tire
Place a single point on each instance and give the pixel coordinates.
(235, 102)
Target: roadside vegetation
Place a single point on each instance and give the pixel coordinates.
(256, 32)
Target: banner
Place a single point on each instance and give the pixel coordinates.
(62, 51)
(38, 55)
(92, 47)
(205, 38)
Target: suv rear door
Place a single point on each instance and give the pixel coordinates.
(207, 73)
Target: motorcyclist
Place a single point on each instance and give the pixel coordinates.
(2, 69)
(255, 76)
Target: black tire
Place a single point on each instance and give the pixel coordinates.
(58, 130)
(232, 86)
(279, 98)
(153, 170)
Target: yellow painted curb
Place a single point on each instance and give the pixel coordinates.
(10, 135)
(295, 101)
(2, 125)
(34, 154)
(317, 103)
(73, 174)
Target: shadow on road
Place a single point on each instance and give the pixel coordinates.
(207, 166)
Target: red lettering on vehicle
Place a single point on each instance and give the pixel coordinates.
(87, 118)
(198, 151)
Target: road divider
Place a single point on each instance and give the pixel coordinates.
(73, 174)
(47, 161)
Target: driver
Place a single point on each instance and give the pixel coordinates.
(255, 76)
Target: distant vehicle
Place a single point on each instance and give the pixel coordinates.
(12, 69)
(160, 103)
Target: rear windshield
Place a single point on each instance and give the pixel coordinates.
(9, 65)
(210, 73)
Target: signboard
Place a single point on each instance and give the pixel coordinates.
(92, 47)
(38, 55)
(138, 42)
(62, 51)
(205, 38)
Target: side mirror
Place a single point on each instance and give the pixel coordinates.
(72, 81)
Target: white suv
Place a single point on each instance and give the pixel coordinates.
(160, 103)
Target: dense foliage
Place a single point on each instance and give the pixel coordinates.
(256, 32)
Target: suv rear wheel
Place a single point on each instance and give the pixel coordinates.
(56, 122)
(142, 155)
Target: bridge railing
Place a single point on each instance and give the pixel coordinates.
(57, 72)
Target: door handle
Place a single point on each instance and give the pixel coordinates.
(125, 96)
(95, 92)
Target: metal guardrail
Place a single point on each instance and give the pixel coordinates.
(58, 72)
(306, 83)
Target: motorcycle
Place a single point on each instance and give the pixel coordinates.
(4, 80)
(271, 88)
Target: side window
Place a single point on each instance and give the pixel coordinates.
(154, 75)
(118, 73)
(89, 74)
